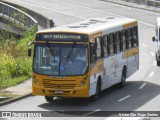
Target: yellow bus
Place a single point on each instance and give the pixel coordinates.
(84, 58)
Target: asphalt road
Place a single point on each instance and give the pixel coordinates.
(142, 92)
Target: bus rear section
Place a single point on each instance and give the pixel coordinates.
(156, 39)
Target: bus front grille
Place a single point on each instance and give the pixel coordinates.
(54, 84)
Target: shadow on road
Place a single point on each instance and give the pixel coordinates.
(108, 100)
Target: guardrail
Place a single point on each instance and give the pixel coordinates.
(18, 16)
(146, 4)
(152, 3)
(43, 21)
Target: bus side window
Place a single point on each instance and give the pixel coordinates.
(123, 37)
(98, 48)
(117, 39)
(135, 36)
(102, 47)
(129, 37)
(121, 42)
(105, 38)
(111, 43)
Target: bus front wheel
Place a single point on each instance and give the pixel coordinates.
(98, 90)
(49, 99)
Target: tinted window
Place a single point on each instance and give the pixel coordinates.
(117, 39)
(134, 36)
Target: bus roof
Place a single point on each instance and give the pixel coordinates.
(92, 25)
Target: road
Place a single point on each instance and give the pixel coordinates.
(142, 92)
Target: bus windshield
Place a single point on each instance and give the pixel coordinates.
(60, 59)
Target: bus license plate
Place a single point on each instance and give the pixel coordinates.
(58, 92)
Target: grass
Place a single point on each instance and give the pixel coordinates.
(15, 66)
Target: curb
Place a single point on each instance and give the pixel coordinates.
(137, 7)
(15, 99)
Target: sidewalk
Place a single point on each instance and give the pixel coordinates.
(20, 91)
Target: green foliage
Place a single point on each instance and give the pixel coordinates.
(15, 66)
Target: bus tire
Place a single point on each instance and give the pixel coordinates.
(123, 79)
(98, 90)
(158, 62)
(49, 98)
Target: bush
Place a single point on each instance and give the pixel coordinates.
(15, 66)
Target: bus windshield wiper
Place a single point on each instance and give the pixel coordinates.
(70, 53)
(50, 49)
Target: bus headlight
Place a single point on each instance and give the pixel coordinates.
(36, 81)
(83, 83)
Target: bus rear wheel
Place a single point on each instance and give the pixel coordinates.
(49, 98)
(123, 79)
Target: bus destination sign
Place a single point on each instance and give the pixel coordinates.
(62, 37)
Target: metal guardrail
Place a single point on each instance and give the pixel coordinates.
(43, 21)
(154, 4)
(18, 16)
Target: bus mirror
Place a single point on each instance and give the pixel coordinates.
(92, 53)
(29, 52)
(29, 49)
(153, 39)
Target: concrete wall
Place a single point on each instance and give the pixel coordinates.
(43, 21)
(16, 16)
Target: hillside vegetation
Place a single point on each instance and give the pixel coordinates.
(15, 66)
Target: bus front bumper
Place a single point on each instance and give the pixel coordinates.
(81, 91)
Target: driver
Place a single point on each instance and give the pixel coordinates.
(81, 55)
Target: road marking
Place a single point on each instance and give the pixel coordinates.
(124, 98)
(75, 118)
(51, 9)
(124, 6)
(152, 53)
(151, 74)
(145, 45)
(142, 86)
(101, 11)
(15, 104)
(82, 7)
(91, 112)
(154, 63)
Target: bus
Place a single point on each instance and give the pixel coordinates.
(157, 40)
(107, 50)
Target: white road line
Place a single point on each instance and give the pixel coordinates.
(138, 9)
(82, 7)
(91, 112)
(101, 11)
(13, 105)
(124, 98)
(145, 45)
(142, 86)
(75, 118)
(151, 74)
(152, 53)
(62, 12)
(154, 63)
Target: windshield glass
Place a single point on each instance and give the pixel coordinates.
(58, 59)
